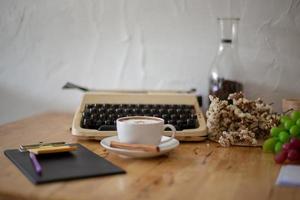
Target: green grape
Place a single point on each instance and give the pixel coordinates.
(288, 124)
(295, 115)
(284, 118)
(275, 131)
(278, 147)
(269, 145)
(295, 131)
(281, 126)
(284, 137)
(298, 122)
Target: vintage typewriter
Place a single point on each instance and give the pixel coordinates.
(96, 116)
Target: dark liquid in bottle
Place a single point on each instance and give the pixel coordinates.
(223, 87)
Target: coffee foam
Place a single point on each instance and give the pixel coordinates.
(140, 121)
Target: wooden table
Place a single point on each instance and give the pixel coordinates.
(192, 171)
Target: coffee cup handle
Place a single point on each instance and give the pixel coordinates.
(173, 132)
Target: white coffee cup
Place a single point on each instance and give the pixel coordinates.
(142, 130)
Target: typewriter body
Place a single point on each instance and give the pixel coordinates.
(96, 116)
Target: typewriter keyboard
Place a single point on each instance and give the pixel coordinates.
(103, 116)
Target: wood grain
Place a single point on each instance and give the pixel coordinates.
(192, 171)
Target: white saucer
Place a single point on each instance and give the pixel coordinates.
(164, 148)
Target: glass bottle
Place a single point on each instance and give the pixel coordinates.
(226, 71)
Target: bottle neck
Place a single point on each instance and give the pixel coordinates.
(228, 45)
(228, 32)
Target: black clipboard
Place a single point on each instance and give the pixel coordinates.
(81, 163)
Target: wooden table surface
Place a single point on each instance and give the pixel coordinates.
(192, 171)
